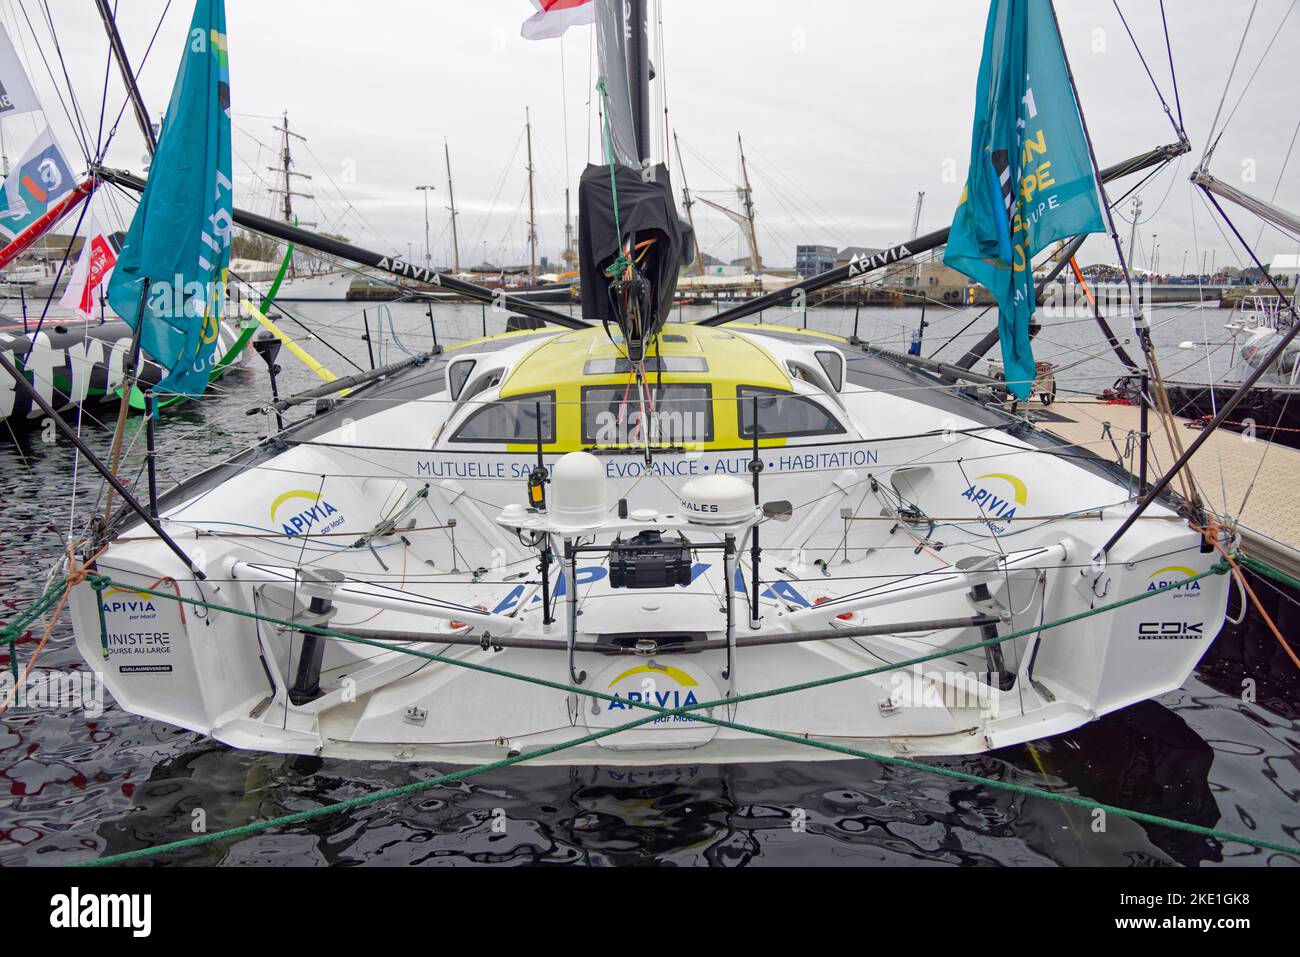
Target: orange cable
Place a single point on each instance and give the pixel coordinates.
(1211, 533)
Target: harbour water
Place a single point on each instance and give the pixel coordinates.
(82, 782)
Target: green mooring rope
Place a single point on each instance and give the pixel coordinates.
(15, 629)
(621, 261)
(657, 712)
(1268, 571)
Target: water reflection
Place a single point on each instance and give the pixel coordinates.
(1146, 758)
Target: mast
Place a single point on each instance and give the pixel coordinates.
(568, 257)
(451, 196)
(687, 203)
(747, 196)
(638, 75)
(286, 170)
(1132, 236)
(916, 228)
(128, 78)
(532, 214)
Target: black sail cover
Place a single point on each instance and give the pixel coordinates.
(645, 211)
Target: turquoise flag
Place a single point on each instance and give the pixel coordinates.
(1031, 179)
(179, 239)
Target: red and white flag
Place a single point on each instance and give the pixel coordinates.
(553, 17)
(94, 266)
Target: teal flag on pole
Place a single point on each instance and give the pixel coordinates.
(179, 240)
(1031, 180)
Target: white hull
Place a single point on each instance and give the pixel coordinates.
(325, 287)
(225, 676)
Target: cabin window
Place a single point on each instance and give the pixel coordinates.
(511, 420)
(832, 362)
(815, 377)
(678, 413)
(783, 414)
(484, 382)
(458, 375)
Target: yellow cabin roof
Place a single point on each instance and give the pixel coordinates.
(560, 362)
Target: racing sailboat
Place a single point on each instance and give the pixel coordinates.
(617, 538)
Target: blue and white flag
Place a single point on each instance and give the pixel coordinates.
(179, 240)
(39, 180)
(1031, 179)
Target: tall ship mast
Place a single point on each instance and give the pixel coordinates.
(687, 202)
(747, 200)
(744, 218)
(288, 175)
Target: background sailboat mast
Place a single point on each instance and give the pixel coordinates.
(687, 202)
(916, 228)
(451, 197)
(569, 257)
(755, 262)
(532, 214)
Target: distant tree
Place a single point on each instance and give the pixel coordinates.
(248, 245)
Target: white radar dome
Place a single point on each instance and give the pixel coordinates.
(717, 500)
(579, 497)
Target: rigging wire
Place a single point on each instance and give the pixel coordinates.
(1177, 124)
(63, 66)
(1211, 138)
(496, 193)
(1262, 59)
(1173, 75)
(138, 70)
(103, 100)
(77, 131)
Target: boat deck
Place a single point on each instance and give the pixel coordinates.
(1236, 476)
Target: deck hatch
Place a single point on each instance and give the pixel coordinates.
(621, 366)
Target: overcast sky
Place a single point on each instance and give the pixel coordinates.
(847, 109)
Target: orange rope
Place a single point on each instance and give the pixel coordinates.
(1211, 533)
(1079, 276)
(167, 579)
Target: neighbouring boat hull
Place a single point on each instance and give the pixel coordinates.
(73, 363)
